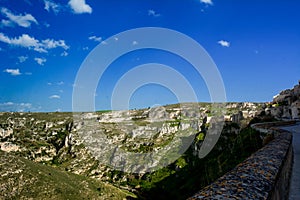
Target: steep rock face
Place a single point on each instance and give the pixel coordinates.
(277, 112)
(286, 105)
(295, 109)
(54, 138)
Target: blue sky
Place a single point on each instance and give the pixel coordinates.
(255, 45)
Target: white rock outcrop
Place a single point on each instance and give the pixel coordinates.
(286, 105)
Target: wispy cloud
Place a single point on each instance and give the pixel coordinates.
(153, 13)
(207, 2)
(8, 103)
(95, 38)
(224, 43)
(40, 61)
(51, 44)
(64, 54)
(15, 107)
(31, 43)
(79, 6)
(13, 72)
(7, 23)
(55, 96)
(28, 2)
(46, 25)
(21, 20)
(50, 5)
(58, 83)
(135, 43)
(22, 58)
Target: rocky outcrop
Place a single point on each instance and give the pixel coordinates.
(295, 109)
(56, 138)
(8, 147)
(286, 105)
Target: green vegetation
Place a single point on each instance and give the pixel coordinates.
(102, 111)
(174, 123)
(189, 173)
(45, 137)
(200, 137)
(180, 163)
(24, 179)
(141, 122)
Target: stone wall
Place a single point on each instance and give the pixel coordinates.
(281, 189)
(264, 175)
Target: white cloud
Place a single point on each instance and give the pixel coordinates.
(8, 103)
(79, 6)
(24, 41)
(50, 44)
(21, 20)
(25, 104)
(40, 61)
(31, 43)
(207, 2)
(13, 72)
(153, 13)
(58, 83)
(64, 53)
(22, 58)
(5, 22)
(224, 43)
(134, 43)
(46, 25)
(15, 107)
(55, 96)
(96, 39)
(50, 5)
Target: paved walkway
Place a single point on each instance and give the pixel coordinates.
(295, 182)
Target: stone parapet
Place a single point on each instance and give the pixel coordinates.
(264, 175)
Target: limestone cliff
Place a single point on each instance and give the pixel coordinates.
(57, 139)
(286, 105)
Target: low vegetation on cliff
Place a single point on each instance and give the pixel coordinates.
(50, 143)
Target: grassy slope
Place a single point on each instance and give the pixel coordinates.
(24, 179)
